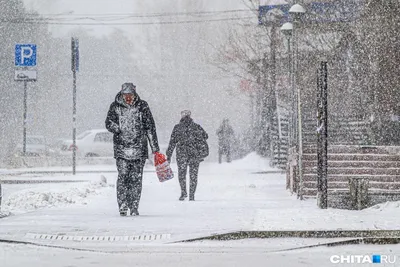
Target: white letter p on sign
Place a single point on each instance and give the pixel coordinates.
(26, 55)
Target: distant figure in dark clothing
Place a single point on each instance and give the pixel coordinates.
(130, 120)
(189, 138)
(225, 136)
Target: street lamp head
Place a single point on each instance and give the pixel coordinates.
(297, 9)
(287, 29)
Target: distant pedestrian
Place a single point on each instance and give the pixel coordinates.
(189, 138)
(225, 135)
(130, 120)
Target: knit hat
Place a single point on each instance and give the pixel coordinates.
(128, 88)
(186, 113)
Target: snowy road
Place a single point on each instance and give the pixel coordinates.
(218, 254)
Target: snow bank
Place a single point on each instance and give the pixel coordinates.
(252, 163)
(306, 216)
(387, 206)
(53, 195)
(255, 162)
(79, 168)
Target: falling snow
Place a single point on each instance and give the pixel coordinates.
(222, 88)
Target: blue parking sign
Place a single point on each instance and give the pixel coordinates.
(25, 55)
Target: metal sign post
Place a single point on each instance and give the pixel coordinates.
(25, 60)
(25, 113)
(74, 68)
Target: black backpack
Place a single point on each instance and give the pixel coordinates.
(202, 148)
(195, 142)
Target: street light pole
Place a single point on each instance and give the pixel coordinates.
(287, 30)
(274, 100)
(272, 19)
(297, 10)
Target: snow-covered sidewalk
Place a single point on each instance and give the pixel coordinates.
(230, 197)
(208, 254)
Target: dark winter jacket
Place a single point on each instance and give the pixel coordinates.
(189, 139)
(132, 126)
(225, 135)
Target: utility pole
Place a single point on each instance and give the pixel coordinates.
(75, 68)
(322, 146)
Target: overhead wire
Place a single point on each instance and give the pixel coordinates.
(55, 22)
(115, 19)
(147, 15)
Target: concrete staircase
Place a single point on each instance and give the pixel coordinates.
(381, 165)
(280, 143)
(341, 131)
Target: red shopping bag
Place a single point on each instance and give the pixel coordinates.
(164, 171)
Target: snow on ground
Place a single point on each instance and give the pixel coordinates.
(306, 216)
(388, 206)
(220, 205)
(51, 195)
(36, 192)
(86, 168)
(230, 197)
(56, 177)
(218, 255)
(250, 163)
(254, 162)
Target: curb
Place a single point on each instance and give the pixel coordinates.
(362, 234)
(41, 181)
(62, 172)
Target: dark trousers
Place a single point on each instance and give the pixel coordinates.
(193, 173)
(129, 183)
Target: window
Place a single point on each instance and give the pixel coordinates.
(104, 138)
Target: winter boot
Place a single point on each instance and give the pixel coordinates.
(123, 210)
(183, 196)
(191, 198)
(134, 212)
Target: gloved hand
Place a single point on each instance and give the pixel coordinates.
(158, 158)
(115, 128)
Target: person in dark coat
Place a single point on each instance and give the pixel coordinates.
(130, 120)
(189, 138)
(225, 136)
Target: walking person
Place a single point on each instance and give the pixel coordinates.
(189, 138)
(225, 135)
(130, 120)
